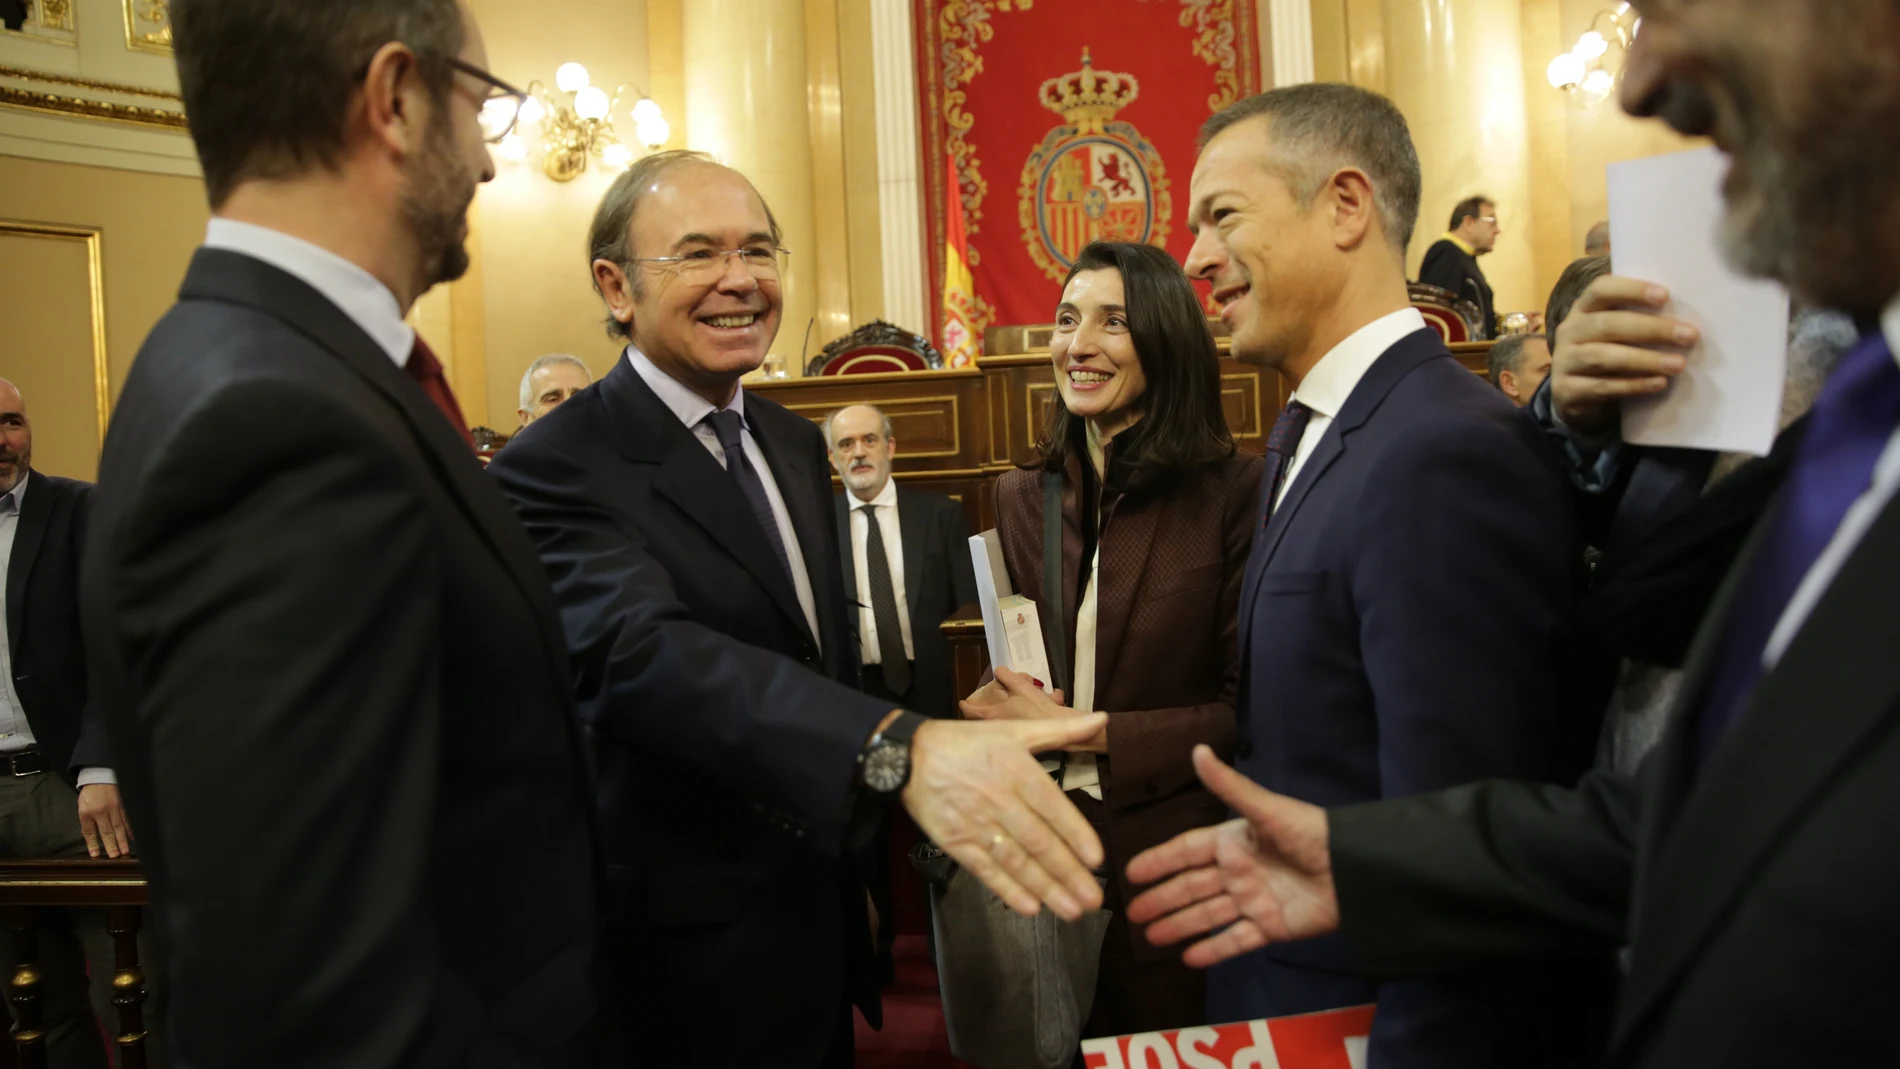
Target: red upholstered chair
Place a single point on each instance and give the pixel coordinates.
(1454, 318)
(876, 346)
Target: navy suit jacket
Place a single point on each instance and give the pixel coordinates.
(1402, 624)
(727, 738)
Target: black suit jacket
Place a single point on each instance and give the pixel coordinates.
(939, 579)
(1449, 267)
(43, 637)
(336, 691)
(728, 743)
(1757, 897)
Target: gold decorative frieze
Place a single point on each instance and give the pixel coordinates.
(51, 78)
(54, 14)
(49, 21)
(148, 26)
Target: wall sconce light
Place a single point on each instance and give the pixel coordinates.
(581, 125)
(1589, 71)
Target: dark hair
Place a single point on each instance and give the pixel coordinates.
(1468, 208)
(1507, 354)
(267, 83)
(608, 238)
(1320, 127)
(1570, 286)
(1182, 425)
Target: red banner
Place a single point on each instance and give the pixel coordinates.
(1068, 121)
(1335, 1039)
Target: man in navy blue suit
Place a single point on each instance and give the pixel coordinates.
(1404, 611)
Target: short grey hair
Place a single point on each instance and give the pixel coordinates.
(831, 443)
(1507, 354)
(527, 377)
(1597, 241)
(1320, 127)
(608, 238)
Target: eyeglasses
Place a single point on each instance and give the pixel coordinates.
(700, 265)
(501, 105)
(1492, 219)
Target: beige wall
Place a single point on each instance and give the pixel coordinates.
(149, 225)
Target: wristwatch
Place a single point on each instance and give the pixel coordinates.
(884, 763)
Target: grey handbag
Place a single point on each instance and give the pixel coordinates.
(1016, 990)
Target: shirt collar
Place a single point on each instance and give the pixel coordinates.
(687, 405)
(1470, 249)
(886, 498)
(19, 490)
(363, 298)
(1332, 380)
(1890, 325)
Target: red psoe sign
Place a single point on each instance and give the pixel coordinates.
(1333, 1039)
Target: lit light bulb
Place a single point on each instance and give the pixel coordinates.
(616, 156)
(1599, 82)
(571, 78)
(591, 103)
(1565, 71)
(531, 111)
(512, 148)
(653, 132)
(644, 109)
(1591, 45)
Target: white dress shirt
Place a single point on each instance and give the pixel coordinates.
(1855, 523)
(1332, 380)
(692, 410)
(358, 293)
(886, 505)
(15, 732)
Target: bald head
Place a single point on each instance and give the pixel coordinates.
(16, 437)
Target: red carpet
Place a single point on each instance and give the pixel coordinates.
(913, 1035)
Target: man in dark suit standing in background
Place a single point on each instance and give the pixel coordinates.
(1452, 261)
(1752, 866)
(1404, 607)
(48, 745)
(907, 558)
(327, 656)
(923, 550)
(687, 527)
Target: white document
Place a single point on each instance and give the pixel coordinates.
(992, 585)
(1022, 633)
(1665, 212)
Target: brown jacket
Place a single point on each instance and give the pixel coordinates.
(1167, 666)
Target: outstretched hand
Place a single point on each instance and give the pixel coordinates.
(1263, 877)
(1614, 345)
(977, 790)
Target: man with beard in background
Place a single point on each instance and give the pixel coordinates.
(328, 658)
(1750, 867)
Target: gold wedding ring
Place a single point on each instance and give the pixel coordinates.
(995, 841)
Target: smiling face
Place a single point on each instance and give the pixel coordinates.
(704, 328)
(1805, 99)
(1097, 368)
(1272, 263)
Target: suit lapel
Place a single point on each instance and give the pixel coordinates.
(847, 551)
(222, 275)
(913, 528)
(29, 532)
(1708, 837)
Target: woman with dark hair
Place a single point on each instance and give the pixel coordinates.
(1156, 517)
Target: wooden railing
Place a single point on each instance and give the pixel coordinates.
(118, 888)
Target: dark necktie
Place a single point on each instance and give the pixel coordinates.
(730, 428)
(890, 634)
(1282, 443)
(1852, 422)
(6, 503)
(427, 371)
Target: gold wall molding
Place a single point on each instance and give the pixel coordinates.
(94, 240)
(81, 108)
(48, 22)
(148, 26)
(50, 78)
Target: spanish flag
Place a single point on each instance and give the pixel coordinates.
(961, 335)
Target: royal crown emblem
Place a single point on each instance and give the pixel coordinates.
(1093, 178)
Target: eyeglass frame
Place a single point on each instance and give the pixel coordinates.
(520, 96)
(678, 263)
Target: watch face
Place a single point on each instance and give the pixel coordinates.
(886, 768)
